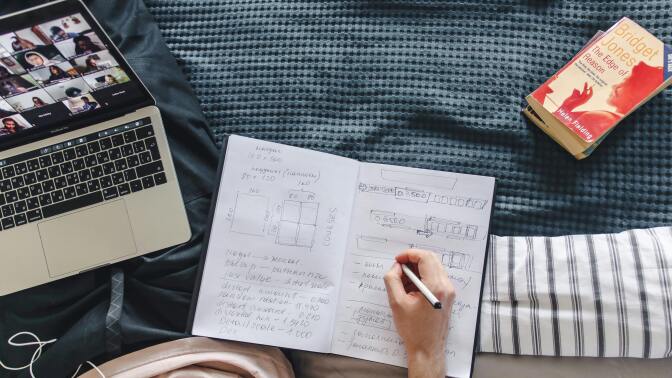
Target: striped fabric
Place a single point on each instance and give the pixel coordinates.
(606, 295)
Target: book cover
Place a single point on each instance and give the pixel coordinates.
(611, 77)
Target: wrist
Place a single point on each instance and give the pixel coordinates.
(426, 362)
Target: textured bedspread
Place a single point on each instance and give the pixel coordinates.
(435, 84)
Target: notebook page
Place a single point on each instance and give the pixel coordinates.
(397, 208)
(275, 256)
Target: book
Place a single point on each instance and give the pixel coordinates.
(612, 76)
(300, 241)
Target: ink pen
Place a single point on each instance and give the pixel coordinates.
(421, 286)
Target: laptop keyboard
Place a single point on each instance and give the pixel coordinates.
(81, 172)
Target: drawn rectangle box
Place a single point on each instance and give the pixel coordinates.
(308, 213)
(304, 238)
(432, 180)
(371, 243)
(372, 321)
(291, 211)
(454, 260)
(437, 226)
(249, 214)
(411, 194)
(287, 232)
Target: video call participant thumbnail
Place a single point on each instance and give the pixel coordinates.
(20, 44)
(5, 73)
(66, 27)
(15, 85)
(55, 73)
(9, 66)
(58, 34)
(68, 89)
(39, 57)
(83, 44)
(81, 104)
(37, 98)
(13, 125)
(106, 78)
(6, 109)
(101, 60)
(20, 41)
(38, 102)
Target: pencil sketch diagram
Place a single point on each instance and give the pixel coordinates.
(450, 259)
(408, 193)
(427, 226)
(293, 222)
(418, 195)
(297, 224)
(250, 214)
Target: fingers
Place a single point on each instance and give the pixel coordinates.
(429, 266)
(446, 292)
(587, 91)
(431, 272)
(414, 256)
(394, 285)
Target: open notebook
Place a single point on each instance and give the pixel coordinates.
(300, 241)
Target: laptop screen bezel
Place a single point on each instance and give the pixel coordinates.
(53, 10)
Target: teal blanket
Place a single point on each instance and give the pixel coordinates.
(435, 84)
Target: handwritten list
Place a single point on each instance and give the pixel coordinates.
(269, 294)
(275, 256)
(410, 208)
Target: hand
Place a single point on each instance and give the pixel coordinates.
(577, 98)
(422, 328)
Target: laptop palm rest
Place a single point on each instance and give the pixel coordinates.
(87, 238)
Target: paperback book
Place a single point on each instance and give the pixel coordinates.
(613, 75)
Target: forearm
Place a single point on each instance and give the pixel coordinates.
(422, 364)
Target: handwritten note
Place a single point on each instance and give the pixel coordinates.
(301, 240)
(398, 208)
(274, 263)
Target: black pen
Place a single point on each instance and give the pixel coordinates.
(421, 286)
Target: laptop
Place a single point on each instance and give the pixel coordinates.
(86, 175)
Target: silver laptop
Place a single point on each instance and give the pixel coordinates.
(86, 175)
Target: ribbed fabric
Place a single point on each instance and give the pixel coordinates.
(434, 84)
(113, 337)
(607, 295)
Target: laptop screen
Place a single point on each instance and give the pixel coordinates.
(58, 67)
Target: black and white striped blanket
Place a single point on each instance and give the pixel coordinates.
(607, 295)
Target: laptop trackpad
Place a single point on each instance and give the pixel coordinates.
(88, 238)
